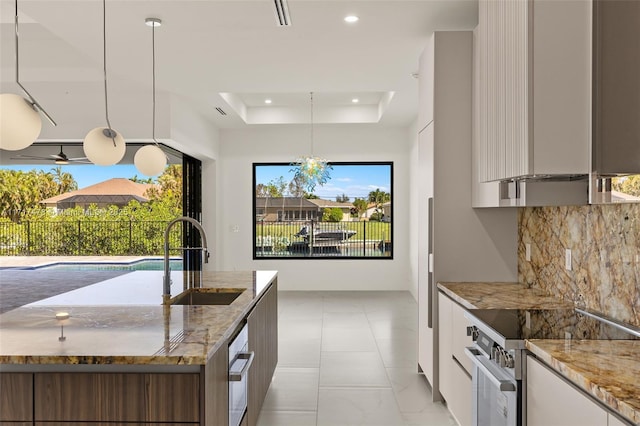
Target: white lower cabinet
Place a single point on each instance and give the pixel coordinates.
(613, 421)
(553, 402)
(454, 366)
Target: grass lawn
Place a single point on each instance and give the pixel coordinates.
(364, 230)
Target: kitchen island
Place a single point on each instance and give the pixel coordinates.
(123, 356)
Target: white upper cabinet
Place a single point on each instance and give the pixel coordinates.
(533, 106)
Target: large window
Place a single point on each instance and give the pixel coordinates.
(350, 216)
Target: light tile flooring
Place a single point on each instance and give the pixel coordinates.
(349, 358)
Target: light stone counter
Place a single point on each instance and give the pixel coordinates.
(609, 370)
(497, 295)
(122, 322)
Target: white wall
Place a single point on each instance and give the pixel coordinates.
(240, 148)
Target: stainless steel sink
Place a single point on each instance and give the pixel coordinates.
(207, 296)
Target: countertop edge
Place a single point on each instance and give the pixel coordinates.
(454, 296)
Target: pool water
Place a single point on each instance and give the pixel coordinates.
(142, 265)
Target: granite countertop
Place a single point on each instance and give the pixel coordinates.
(122, 322)
(606, 369)
(497, 295)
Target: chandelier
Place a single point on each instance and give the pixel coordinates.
(311, 170)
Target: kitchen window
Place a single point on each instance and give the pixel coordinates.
(349, 216)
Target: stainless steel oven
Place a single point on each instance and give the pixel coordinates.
(499, 354)
(240, 360)
(496, 393)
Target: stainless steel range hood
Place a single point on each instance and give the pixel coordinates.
(546, 191)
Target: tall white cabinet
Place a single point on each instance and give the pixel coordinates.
(466, 244)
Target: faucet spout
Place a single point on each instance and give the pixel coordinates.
(166, 295)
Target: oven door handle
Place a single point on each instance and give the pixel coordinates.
(235, 375)
(489, 370)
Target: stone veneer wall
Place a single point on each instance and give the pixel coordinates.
(605, 245)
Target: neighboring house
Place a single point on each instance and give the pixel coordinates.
(386, 211)
(371, 209)
(272, 209)
(112, 192)
(328, 204)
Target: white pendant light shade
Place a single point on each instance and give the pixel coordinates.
(99, 147)
(20, 123)
(150, 160)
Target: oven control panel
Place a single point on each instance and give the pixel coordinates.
(494, 351)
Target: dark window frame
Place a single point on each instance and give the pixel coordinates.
(385, 246)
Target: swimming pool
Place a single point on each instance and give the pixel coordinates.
(140, 265)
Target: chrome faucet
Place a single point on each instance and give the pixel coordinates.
(166, 295)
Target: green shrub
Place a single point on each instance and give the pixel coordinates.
(333, 214)
(376, 217)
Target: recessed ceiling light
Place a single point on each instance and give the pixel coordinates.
(355, 100)
(351, 19)
(267, 101)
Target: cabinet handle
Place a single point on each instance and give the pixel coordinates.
(505, 385)
(235, 375)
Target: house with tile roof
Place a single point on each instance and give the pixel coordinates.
(279, 209)
(112, 192)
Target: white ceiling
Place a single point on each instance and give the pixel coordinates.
(225, 54)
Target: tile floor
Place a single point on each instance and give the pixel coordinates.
(349, 358)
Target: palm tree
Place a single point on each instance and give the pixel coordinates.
(64, 180)
(378, 198)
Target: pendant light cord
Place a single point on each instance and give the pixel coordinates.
(112, 133)
(311, 94)
(153, 81)
(33, 101)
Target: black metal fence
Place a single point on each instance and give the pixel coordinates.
(305, 239)
(84, 237)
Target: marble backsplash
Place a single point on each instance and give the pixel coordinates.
(605, 246)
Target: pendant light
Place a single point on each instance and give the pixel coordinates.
(311, 170)
(150, 160)
(103, 145)
(20, 123)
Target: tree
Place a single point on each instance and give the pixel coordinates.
(136, 179)
(168, 191)
(22, 191)
(629, 185)
(64, 180)
(297, 186)
(378, 198)
(360, 205)
(342, 198)
(333, 214)
(273, 189)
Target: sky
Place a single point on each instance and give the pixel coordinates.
(352, 180)
(87, 174)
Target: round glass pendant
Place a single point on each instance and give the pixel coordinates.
(20, 123)
(150, 160)
(100, 149)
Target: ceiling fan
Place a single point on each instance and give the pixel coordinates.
(59, 158)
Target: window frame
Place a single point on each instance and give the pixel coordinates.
(387, 245)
